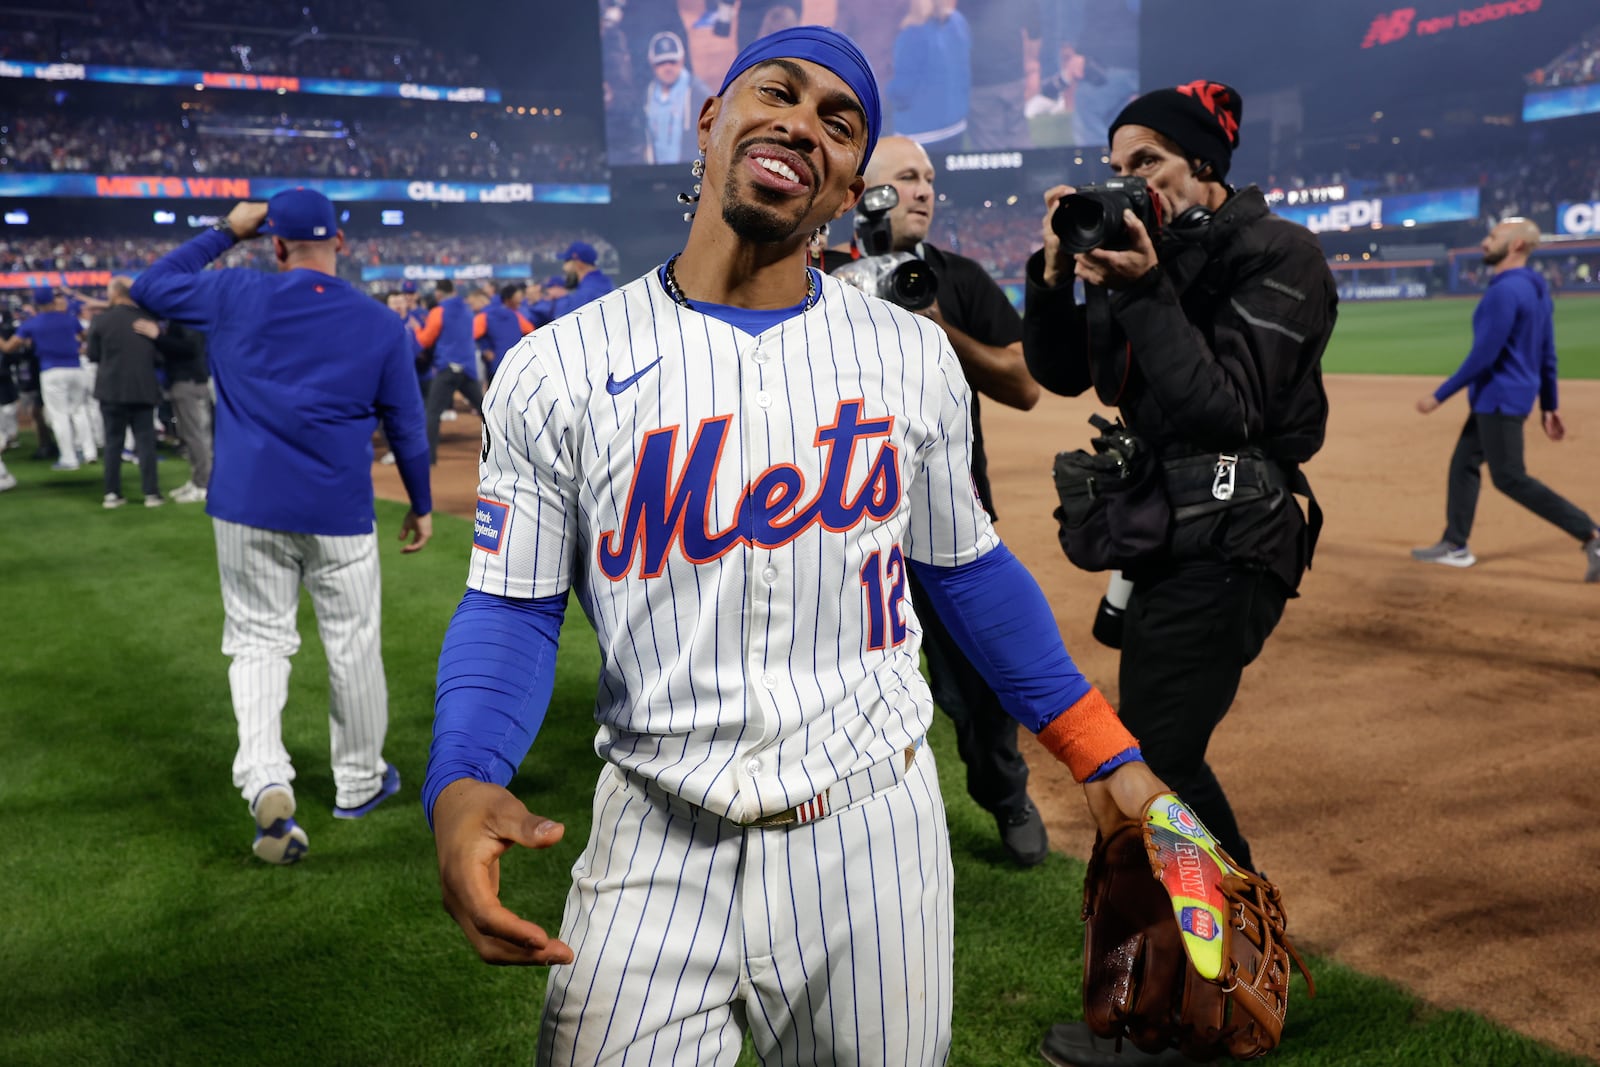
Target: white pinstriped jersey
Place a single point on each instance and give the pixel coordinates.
(735, 513)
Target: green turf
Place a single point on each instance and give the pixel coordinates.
(139, 929)
(1432, 337)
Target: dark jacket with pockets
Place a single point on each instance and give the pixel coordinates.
(1217, 350)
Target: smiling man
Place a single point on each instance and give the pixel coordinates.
(734, 461)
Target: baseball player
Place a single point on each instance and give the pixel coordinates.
(304, 367)
(448, 331)
(54, 334)
(733, 460)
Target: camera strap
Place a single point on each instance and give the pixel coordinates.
(1110, 356)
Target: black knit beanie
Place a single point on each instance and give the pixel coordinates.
(1202, 118)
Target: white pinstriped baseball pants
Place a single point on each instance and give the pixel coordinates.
(830, 942)
(262, 572)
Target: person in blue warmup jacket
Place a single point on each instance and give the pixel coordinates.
(305, 367)
(1512, 364)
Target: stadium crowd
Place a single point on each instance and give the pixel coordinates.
(352, 39)
(423, 146)
(131, 254)
(1580, 63)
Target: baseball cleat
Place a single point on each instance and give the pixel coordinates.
(279, 839)
(390, 786)
(1450, 555)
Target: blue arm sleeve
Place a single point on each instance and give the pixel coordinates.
(1491, 327)
(496, 672)
(999, 617)
(174, 288)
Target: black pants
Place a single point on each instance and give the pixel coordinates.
(118, 418)
(986, 737)
(1497, 441)
(1187, 637)
(441, 393)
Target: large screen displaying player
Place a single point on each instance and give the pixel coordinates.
(955, 75)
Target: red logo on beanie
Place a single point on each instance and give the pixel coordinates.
(1221, 101)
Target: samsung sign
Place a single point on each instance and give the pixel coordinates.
(1580, 220)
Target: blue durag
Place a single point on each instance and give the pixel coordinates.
(826, 48)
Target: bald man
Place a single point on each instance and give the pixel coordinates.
(986, 333)
(1512, 363)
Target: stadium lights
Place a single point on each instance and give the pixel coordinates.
(520, 110)
(473, 135)
(558, 111)
(1012, 199)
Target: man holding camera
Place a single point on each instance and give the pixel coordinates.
(986, 333)
(1204, 322)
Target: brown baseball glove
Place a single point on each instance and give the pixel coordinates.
(1194, 957)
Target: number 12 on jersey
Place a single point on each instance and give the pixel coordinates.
(885, 585)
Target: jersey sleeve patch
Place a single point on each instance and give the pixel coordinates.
(489, 526)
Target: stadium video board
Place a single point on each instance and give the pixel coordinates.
(214, 79)
(977, 82)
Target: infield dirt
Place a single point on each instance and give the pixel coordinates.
(1412, 756)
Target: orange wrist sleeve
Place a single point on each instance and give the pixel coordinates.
(1086, 735)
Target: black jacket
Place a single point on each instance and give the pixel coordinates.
(127, 359)
(1217, 349)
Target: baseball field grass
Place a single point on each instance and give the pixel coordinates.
(138, 928)
(1433, 336)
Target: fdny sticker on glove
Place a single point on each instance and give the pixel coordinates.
(1190, 865)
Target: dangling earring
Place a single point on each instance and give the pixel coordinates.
(698, 169)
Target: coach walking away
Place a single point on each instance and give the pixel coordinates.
(986, 333)
(305, 367)
(1208, 337)
(761, 709)
(448, 331)
(127, 389)
(1512, 363)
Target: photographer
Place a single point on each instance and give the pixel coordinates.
(986, 333)
(1208, 336)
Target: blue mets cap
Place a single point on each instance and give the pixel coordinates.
(582, 251)
(301, 214)
(43, 295)
(409, 285)
(554, 280)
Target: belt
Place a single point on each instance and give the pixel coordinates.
(850, 790)
(843, 793)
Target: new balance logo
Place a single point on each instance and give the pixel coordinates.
(615, 387)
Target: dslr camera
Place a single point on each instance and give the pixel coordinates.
(1091, 217)
(898, 277)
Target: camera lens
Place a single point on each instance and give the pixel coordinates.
(913, 285)
(1086, 221)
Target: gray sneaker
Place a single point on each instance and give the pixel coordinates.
(1446, 553)
(1591, 553)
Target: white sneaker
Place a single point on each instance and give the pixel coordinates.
(388, 459)
(182, 491)
(154, 501)
(189, 494)
(7, 481)
(112, 500)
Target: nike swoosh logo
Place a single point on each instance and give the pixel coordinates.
(615, 387)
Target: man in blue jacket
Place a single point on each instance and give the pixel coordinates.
(304, 366)
(584, 279)
(1512, 362)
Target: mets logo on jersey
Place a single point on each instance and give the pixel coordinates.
(670, 508)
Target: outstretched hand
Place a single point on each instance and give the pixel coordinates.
(1554, 428)
(474, 824)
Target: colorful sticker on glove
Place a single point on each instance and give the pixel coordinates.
(1199, 922)
(1189, 864)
